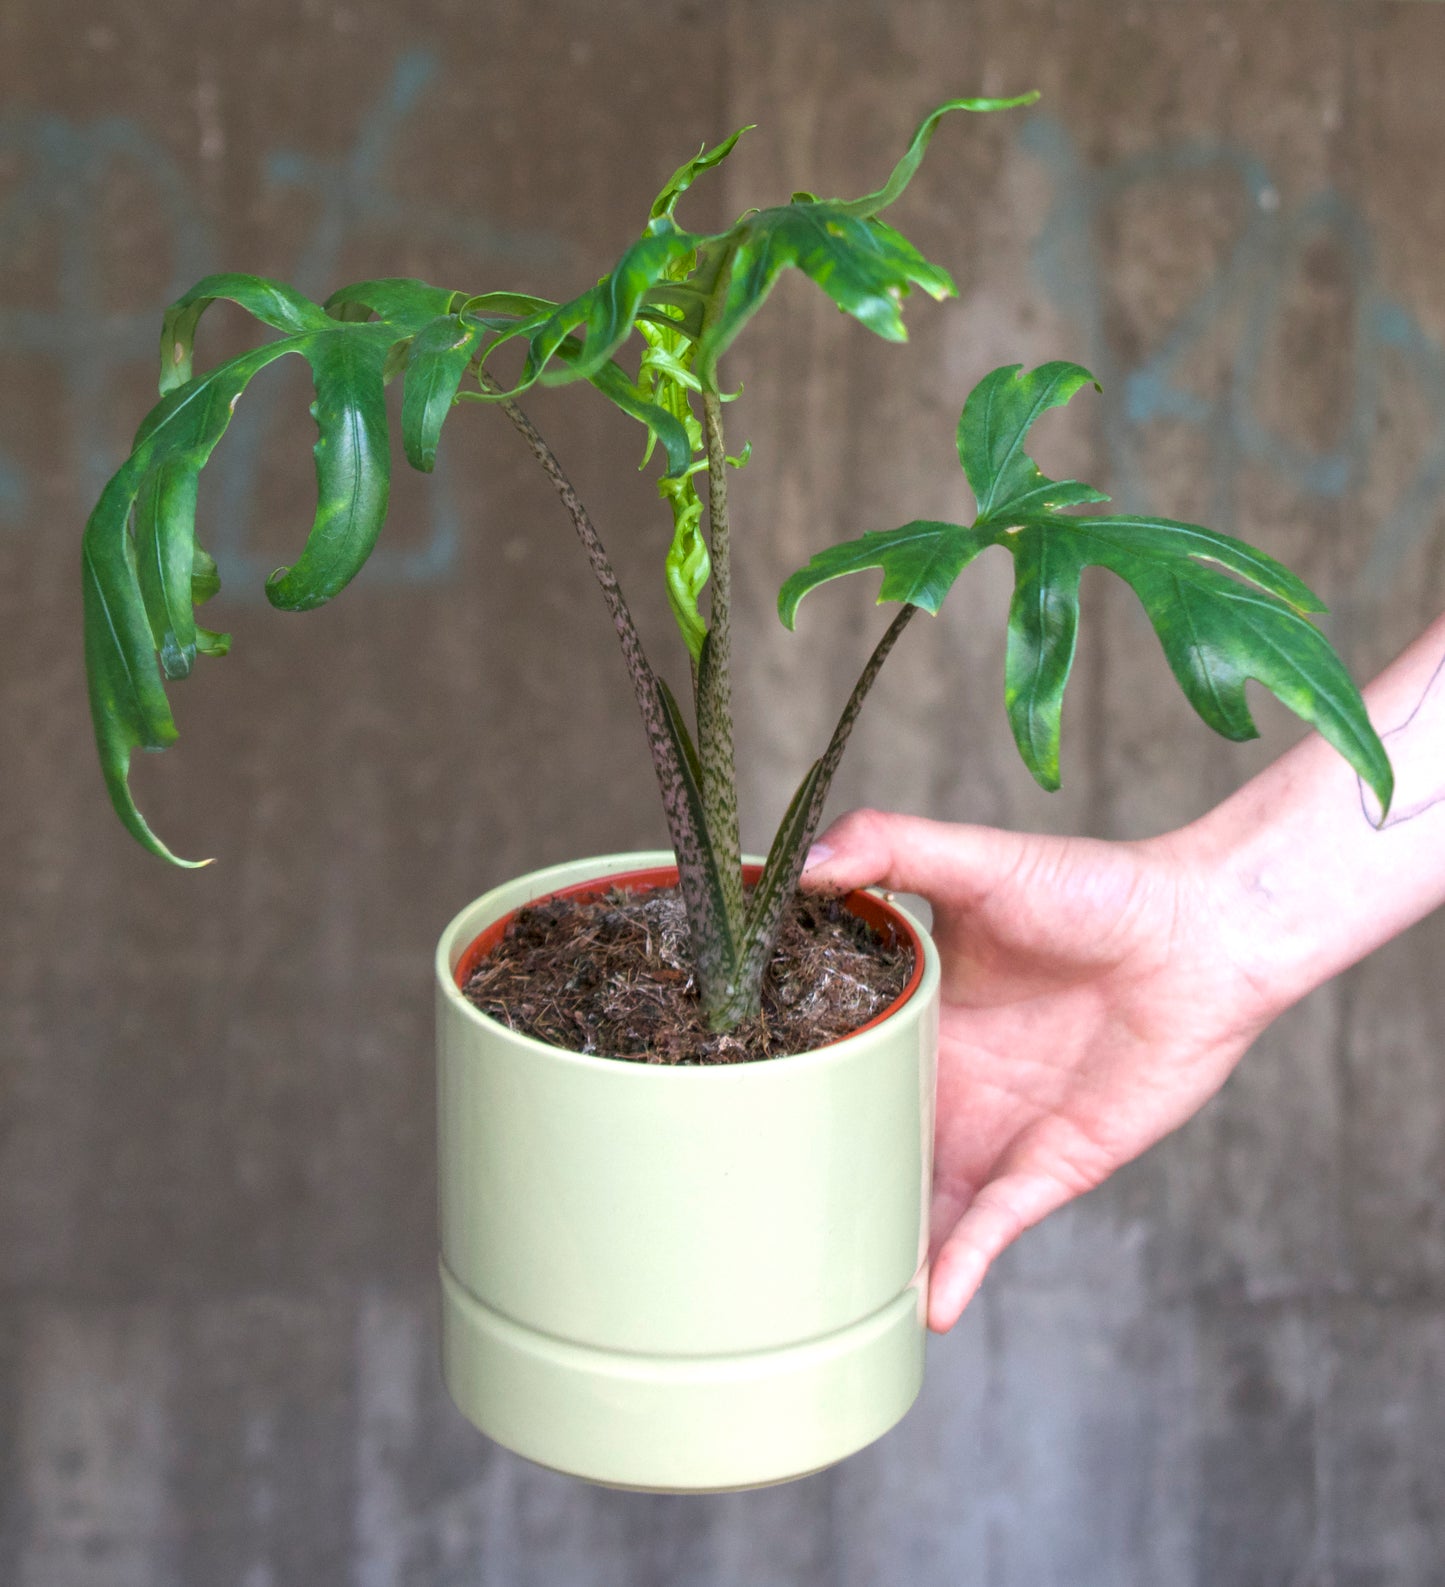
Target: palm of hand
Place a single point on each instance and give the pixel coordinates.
(1084, 1016)
(1090, 1004)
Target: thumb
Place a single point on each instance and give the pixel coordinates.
(942, 862)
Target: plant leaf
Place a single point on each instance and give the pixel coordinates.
(205, 577)
(867, 269)
(920, 561)
(708, 287)
(438, 358)
(904, 171)
(165, 553)
(607, 312)
(1217, 633)
(685, 175)
(686, 570)
(140, 591)
(400, 301)
(272, 302)
(613, 383)
(353, 465)
(127, 702)
(210, 643)
(1225, 613)
(998, 415)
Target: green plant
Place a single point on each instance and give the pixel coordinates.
(1224, 612)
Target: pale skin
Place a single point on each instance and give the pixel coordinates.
(1096, 994)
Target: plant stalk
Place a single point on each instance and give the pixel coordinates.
(839, 741)
(800, 825)
(644, 681)
(713, 691)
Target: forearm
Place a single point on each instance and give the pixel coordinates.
(1305, 881)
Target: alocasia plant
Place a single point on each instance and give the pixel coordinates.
(1225, 613)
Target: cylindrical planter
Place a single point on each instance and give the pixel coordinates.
(682, 1279)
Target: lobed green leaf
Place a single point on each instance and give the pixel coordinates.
(867, 269)
(1225, 613)
(709, 287)
(1000, 411)
(920, 561)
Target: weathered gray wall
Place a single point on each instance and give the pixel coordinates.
(217, 1355)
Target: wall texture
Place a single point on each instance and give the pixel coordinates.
(217, 1310)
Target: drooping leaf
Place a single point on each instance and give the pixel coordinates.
(401, 302)
(127, 702)
(1224, 612)
(437, 360)
(141, 586)
(272, 302)
(165, 554)
(353, 465)
(205, 576)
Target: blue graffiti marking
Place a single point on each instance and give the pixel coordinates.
(66, 169)
(65, 172)
(13, 494)
(1250, 283)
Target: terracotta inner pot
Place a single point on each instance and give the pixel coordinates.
(866, 906)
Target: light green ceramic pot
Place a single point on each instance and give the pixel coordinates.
(681, 1279)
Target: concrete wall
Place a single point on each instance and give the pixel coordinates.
(217, 1310)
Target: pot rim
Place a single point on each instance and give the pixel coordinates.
(915, 996)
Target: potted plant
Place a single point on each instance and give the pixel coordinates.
(698, 1275)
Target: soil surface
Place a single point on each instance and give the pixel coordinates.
(611, 976)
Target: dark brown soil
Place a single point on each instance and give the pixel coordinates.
(611, 977)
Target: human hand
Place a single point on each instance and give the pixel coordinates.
(1090, 1005)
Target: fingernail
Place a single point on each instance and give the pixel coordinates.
(819, 854)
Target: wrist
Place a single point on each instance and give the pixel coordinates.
(1244, 912)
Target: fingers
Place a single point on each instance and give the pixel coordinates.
(907, 854)
(995, 1218)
